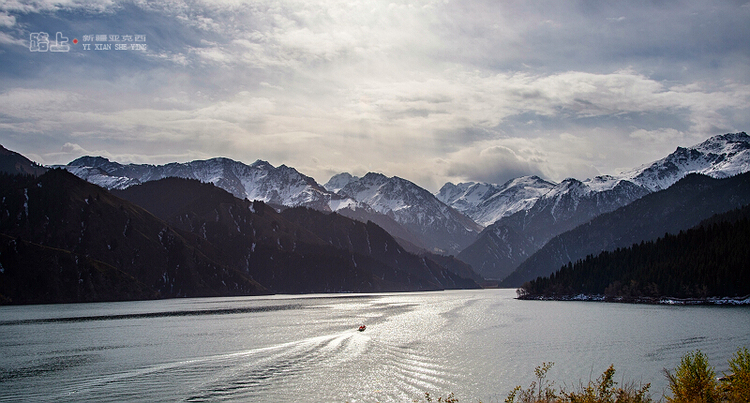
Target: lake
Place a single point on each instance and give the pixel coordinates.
(478, 344)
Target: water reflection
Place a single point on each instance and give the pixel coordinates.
(477, 344)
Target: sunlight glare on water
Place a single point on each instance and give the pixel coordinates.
(477, 344)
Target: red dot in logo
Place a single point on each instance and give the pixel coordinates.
(75, 41)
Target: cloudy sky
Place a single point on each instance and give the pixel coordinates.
(431, 91)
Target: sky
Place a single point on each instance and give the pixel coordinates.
(430, 91)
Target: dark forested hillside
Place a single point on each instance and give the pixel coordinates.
(371, 240)
(68, 240)
(32, 273)
(63, 239)
(14, 163)
(710, 260)
(680, 207)
(323, 252)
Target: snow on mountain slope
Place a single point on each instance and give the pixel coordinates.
(506, 243)
(258, 181)
(680, 207)
(465, 196)
(431, 224)
(486, 203)
(100, 177)
(339, 181)
(444, 228)
(573, 202)
(718, 157)
(545, 208)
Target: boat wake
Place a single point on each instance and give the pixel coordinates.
(349, 363)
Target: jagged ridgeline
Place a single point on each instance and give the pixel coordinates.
(228, 228)
(66, 240)
(509, 244)
(494, 228)
(679, 207)
(405, 210)
(251, 235)
(709, 260)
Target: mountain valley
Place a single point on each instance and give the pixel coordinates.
(222, 227)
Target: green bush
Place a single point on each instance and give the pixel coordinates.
(693, 381)
(540, 391)
(448, 399)
(604, 390)
(736, 385)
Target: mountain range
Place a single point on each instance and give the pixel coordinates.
(683, 205)
(493, 228)
(63, 239)
(279, 186)
(408, 211)
(415, 208)
(257, 239)
(486, 203)
(509, 241)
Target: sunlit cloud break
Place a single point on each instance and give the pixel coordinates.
(429, 91)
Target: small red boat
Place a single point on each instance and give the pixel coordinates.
(362, 328)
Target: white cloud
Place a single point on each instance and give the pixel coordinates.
(667, 135)
(402, 128)
(433, 90)
(37, 104)
(36, 6)
(7, 20)
(494, 164)
(8, 39)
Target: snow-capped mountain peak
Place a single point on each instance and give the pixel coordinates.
(466, 195)
(261, 164)
(339, 181)
(443, 218)
(385, 195)
(415, 208)
(486, 203)
(258, 181)
(573, 202)
(719, 157)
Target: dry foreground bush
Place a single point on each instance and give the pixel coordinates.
(693, 381)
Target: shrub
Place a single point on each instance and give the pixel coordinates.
(604, 390)
(737, 384)
(693, 381)
(448, 399)
(540, 391)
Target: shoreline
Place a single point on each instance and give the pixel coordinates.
(720, 301)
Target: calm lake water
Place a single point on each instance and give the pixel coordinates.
(477, 344)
